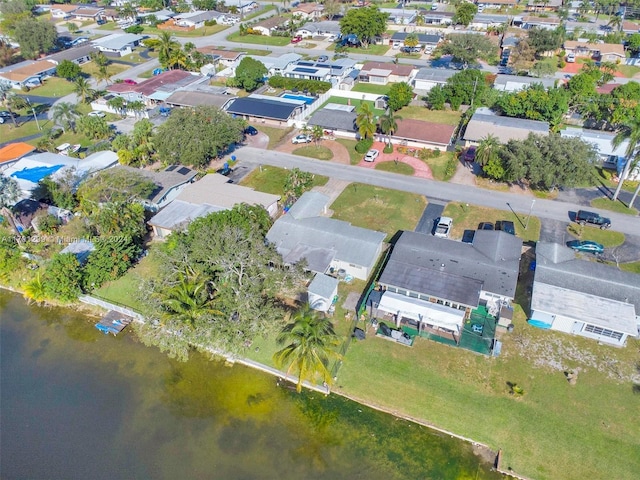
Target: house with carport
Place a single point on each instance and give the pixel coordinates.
(268, 26)
(484, 122)
(28, 74)
(426, 78)
(585, 298)
(603, 52)
(212, 193)
(118, 44)
(328, 246)
(382, 73)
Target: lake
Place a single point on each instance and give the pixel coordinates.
(76, 404)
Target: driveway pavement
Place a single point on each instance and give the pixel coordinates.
(427, 222)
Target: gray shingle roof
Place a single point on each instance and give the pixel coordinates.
(192, 98)
(165, 180)
(435, 74)
(179, 213)
(73, 53)
(504, 128)
(334, 119)
(323, 285)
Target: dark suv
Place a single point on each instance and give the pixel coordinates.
(583, 217)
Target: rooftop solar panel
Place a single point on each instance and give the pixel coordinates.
(305, 70)
(184, 171)
(171, 168)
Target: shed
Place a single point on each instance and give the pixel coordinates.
(321, 292)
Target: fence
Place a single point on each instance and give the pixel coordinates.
(111, 306)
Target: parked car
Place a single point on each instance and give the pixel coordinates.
(6, 115)
(469, 154)
(128, 81)
(571, 58)
(486, 226)
(506, 226)
(79, 41)
(586, 246)
(371, 155)
(251, 130)
(302, 138)
(583, 217)
(323, 58)
(96, 113)
(443, 227)
(434, 6)
(296, 39)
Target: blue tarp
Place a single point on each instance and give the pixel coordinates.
(37, 173)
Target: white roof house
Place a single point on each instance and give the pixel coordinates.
(121, 43)
(515, 83)
(277, 65)
(326, 244)
(584, 298)
(484, 122)
(427, 78)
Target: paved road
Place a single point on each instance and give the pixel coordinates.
(433, 190)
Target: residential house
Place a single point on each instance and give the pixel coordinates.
(585, 298)
(328, 245)
(169, 183)
(382, 73)
(424, 39)
(160, 15)
(629, 28)
(322, 292)
(11, 153)
(277, 65)
(222, 58)
(484, 123)
(497, 4)
(28, 74)
(87, 13)
(271, 24)
(325, 28)
(308, 11)
(81, 249)
(419, 133)
(603, 52)
(118, 44)
(157, 88)
(335, 118)
(62, 11)
(399, 16)
(484, 21)
(78, 55)
(329, 71)
(432, 17)
(435, 284)
(426, 78)
(544, 5)
(266, 109)
(197, 19)
(193, 98)
(515, 83)
(212, 193)
(529, 22)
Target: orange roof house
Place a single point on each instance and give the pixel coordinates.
(10, 154)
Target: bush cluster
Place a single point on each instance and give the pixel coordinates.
(364, 145)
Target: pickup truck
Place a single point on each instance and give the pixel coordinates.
(583, 217)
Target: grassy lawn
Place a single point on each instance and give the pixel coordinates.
(606, 175)
(91, 68)
(251, 51)
(616, 206)
(438, 166)
(314, 151)
(633, 267)
(467, 217)
(378, 208)
(135, 56)
(259, 39)
(8, 132)
(371, 88)
(271, 180)
(446, 117)
(628, 71)
(355, 102)
(401, 168)
(354, 157)
(108, 26)
(553, 431)
(371, 50)
(260, 11)
(275, 134)
(54, 87)
(608, 238)
(198, 32)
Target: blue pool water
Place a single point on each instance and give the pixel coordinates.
(304, 98)
(539, 324)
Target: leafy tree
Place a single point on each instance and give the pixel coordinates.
(250, 74)
(494, 169)
(332, 8)
(436, 98)
(100, 59)
(135, 29)
(364, 121)
(535, 103)
(47, 223)
(205, 4)
(488, 150)
(411, 40)
(546, 67)
(138, 148)
(196, 136)
(128, 11)
(110, 260)
(310, 344)
(400, 95)
(296, 183)
(59, 192)
(629, 131)
(465, 13)
(95, 128)
(634, 42)
(366, 23)
(68, 70)
(389, 124)
(120, 218)
(523, 56)
(543, 40)
(113, 185)
(65, 114)
(72, 27)
(34, 36)
(82, 88)
(6, 97)
(9, 195)
(102, 75)
(467, 48)
(63, 277)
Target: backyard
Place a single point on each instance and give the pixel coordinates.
(355, 102)
(447, 117)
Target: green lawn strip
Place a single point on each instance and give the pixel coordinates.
(608, 238)
(108, 26)
(435, 116)
(370, 50)
(467, 217)
(275, 134)
(399, 167)
(270, 179)
(319, 152)
(9, 133)
(198, 32)
(354, 157)
(90, 68)
(371, 88)
(378, 208)
(259, 39)
(53, 87)
(616, 206)
(250, 51)
(606, 175)
(633, 267)
(438, 166)
(355, 102)
(261, 11)
(628, 71)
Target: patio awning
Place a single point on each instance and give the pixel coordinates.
(422, 311)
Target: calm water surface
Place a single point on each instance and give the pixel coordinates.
(76, 404)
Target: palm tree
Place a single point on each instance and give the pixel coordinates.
(137, 107)
(615, 22)
(9, 195)
(177, 60)
(102, 75)
(364, 121)
(83, 89)
(6, 97)
(118, 104)
(191, 298)
(317, 133)
(389, 124)
(631, 131)
(34, 290)
(310, 343)
(487, 150)
(167, 44)
(65, 115)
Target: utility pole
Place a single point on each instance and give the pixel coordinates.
(35, 117)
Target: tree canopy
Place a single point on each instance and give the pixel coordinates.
(115, 185)
(250, 74)
(544, 40)
(467, 48)
(366, 23)
(536, 103)
(400, 95)
(461, 89)
(464, 13)
(196, 136)
(68, 70)
(34, 36)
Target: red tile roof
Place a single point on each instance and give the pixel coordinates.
(150, 85)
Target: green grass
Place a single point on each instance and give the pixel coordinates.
(266, 9)
(379, 208)
(608, 238)
(438, 166)
(109, 26)
(275, 134)
(371, 50)
(467, 217)
(399, 167)
(251, 51)
(446, 117)
(135, 56)
(91, 68)
(270, 179)
(628, 71)
(355, 102)
(371, 88)
(198, 32)
(633, 267)
(616, 206)
(9, 133)
(259, 39)
(54, 87)
(319, 152)
(606, 176)
(354, 157)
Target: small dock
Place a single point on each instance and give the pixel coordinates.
(113, 322)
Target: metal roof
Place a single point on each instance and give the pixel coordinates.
(179, 214)
(484, 123)
(603, 141)
(324, 286)
(117, 41)
(262, 107)
(334, 119)
(192, 98)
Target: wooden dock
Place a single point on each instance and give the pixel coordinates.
(113, 322)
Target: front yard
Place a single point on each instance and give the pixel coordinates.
(270, 179)
(447, 117)
(259, 39)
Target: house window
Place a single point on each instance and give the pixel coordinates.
(401, 291)
(603, 332)
(413, 294)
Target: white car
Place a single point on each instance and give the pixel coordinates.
(96, 113)
(371, 155)
(302, 138)
(443, 227)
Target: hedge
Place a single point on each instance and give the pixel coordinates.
(311, 86)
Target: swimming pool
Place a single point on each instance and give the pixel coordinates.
(304, 98)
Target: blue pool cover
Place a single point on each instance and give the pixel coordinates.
(539, 324)
(37, 173)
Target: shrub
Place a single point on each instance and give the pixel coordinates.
(311, 86)
(364, 145)
(210, 23)
(388, 148)
(135, 29)
(450, 168)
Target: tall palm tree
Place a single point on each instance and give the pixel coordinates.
(118, 104)
(167, 44)
(615, 22)
(190, 299)
(102, 75)
(34, 290)
(177, 60)
(309, 346)
(137, 107)
(6, 98)
(389, 124)
(487, 150)
(83, 89)
(364, 121)
(9, 195)
(630, 131)
(65, 115)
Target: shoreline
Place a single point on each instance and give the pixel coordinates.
(481, 450)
